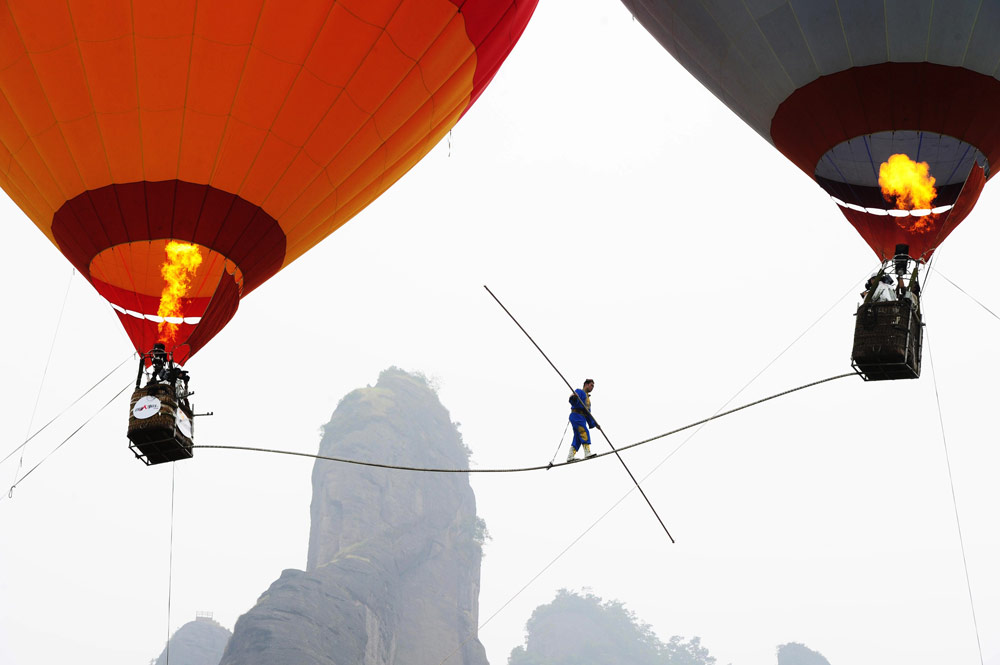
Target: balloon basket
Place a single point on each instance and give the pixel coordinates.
(888, 338)
(159, 429)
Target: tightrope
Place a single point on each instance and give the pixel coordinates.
(550, 465)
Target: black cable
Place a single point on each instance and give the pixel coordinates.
(746, 385)
(522, 469)
(739, 408)
(590, 415)
(718, 414)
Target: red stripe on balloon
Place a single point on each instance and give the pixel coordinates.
(919, 96)
(883, 233)
(493, 28)
(215, 312)
(114, 215)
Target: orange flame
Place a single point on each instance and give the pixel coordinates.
(181, 265)
(909, 186)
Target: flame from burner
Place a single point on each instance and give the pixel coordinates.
(180, 267)
(909, 186)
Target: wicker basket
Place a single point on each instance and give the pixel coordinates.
(887, 341)
(154, 437)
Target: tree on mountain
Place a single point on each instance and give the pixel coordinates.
(579, 629)
(794, 653)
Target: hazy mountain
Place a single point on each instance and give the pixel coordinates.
(794, 653)
(579, 629)
(392, 576)
(198, 642)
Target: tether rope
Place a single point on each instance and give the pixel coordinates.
(64, 441)
(70, 406)
(170, 563)
(559, 447)
(45, 373)
(954, 499)
(971, 297)
(539, 574)
(397, 467)
(663, 461)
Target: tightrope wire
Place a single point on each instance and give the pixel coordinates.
(522, 469)
(669, 455)
(554, 466)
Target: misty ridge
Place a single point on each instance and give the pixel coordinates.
(394, 561)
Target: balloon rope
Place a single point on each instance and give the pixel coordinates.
(10, 494)
(45, 372)
(170, 562)
(954, 500)
(971, 297)
(70, 406)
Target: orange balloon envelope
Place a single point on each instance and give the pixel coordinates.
(841, 87)
(247, 129)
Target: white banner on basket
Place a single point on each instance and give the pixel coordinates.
(184, 423)
(147, 407)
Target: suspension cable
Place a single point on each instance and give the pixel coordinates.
(45, 373)
(954, 499)
(539, 574)
(380, 465)
(552, 462)
(170, 561)
(718, 414)
(10, 493)
(756, 376)
(971, 297)
(70, 406)
(739, 408)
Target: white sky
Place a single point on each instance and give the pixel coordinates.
(646, 238)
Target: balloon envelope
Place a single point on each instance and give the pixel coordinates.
(250, 129)
(839, 86)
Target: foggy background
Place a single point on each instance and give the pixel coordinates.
(646, 238)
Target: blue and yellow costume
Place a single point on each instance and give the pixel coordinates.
(581, 420)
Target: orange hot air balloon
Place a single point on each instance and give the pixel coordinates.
(247, 129)
(840, 87)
